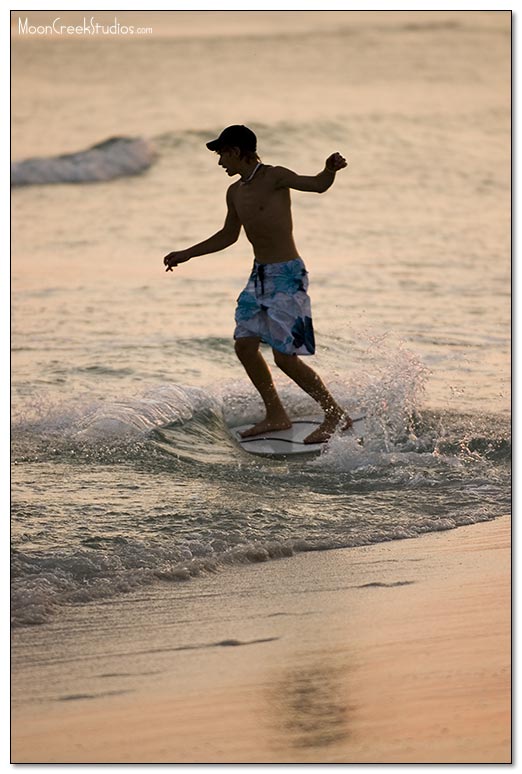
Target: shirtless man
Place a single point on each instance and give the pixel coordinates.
(274, 307)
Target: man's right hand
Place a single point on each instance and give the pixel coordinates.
(172, 259)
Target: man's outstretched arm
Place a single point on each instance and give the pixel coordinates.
(218, 241)
(315, 183)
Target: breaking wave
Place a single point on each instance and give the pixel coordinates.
(107, 160)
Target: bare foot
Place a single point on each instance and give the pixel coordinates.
(328, 427)
(267, 425)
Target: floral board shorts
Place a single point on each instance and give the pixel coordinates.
(275, 307)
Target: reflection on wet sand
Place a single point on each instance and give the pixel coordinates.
(309, 706)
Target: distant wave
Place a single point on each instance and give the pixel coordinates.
(107, 160)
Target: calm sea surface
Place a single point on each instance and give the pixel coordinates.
(124, 377)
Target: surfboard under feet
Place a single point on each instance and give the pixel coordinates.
(281, 443)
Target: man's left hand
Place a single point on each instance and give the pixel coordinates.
(335, 162)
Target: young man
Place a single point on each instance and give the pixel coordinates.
(274, 307)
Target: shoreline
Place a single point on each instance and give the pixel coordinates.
(393, 652)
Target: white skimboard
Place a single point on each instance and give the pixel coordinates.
(282, 443)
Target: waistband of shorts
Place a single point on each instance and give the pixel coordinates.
(272, 267)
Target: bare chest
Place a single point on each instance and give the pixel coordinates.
(258, 201)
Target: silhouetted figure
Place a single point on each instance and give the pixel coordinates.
(274, 307)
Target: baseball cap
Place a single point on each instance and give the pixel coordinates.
(236, 136)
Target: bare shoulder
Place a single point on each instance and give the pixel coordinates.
(233, 187)
(282, 177)
(277, 176)
(276, 173)
(231, 191)
(279, 170)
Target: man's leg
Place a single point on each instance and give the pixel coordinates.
(311, 383)
(247, 350)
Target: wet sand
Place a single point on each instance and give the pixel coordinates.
(395, 652)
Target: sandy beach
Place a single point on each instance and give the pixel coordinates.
(395, 652)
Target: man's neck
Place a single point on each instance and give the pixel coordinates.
(249, 171)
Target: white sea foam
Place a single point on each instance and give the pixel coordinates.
(42, 584)
(224, 508)
(116, 157)
(86, 418)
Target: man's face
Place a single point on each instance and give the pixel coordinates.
(228, 159)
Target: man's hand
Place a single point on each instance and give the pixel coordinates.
(335, 162)
(172, 259)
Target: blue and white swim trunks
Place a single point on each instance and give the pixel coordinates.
(275, 307)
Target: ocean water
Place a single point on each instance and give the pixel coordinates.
(124, 378)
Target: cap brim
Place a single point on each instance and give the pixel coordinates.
(213, 144)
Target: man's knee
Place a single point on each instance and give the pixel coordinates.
(282, 361)
(246, 347)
